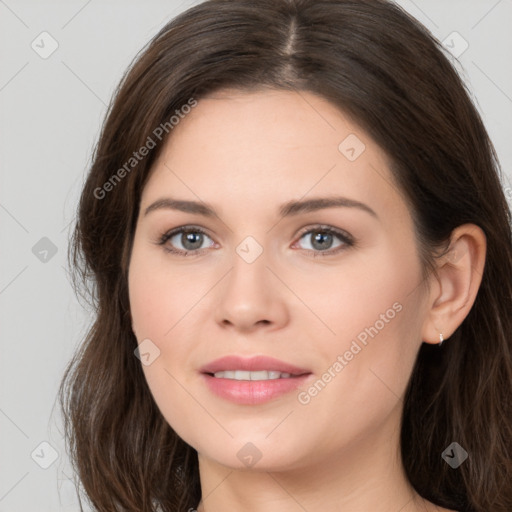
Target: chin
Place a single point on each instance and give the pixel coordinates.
(256, 455)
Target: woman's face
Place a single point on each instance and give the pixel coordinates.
(334, 290)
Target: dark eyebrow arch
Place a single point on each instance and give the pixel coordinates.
(183, 206)
(287, 209)
(319, 203)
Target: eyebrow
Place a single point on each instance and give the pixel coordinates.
(287, 209)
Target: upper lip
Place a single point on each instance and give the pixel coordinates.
(255, 363)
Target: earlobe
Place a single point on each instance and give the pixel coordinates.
(458, 275)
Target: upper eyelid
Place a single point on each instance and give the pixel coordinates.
(302, 231)
(188, 227)
(325, 227)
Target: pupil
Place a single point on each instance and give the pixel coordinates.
(320, 238)
(195, 239)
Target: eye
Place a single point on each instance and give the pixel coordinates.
(322, 240)
(190, 238)
(187, 240)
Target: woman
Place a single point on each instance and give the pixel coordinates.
(300, 255)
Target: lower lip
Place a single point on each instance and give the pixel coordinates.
(252, 392)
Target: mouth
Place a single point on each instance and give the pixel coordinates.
(252, 381)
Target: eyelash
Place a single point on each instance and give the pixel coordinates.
(347, 240)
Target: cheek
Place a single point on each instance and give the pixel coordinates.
(157, 304)
(158, 295)
(162, 302)
(377, 319)
(363, 301)
(357, 394)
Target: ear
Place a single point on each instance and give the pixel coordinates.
(455, 284)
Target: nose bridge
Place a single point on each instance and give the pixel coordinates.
(249, 267)
(251, 293)
(248, 279)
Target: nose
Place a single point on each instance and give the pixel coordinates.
(251, 297)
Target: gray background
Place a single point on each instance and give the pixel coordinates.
(51, 112)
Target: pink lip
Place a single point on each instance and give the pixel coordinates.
(252, 392)
(252, 364)
(247, 392)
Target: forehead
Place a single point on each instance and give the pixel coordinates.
(254, 149)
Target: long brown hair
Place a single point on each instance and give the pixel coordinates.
(384, 69)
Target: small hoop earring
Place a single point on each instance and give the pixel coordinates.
(441, 339)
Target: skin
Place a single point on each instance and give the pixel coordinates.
(246, 154)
